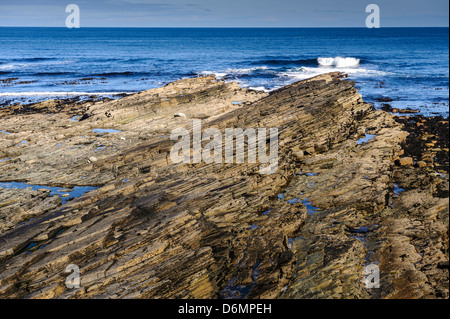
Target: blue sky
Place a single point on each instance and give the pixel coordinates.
(225, 13)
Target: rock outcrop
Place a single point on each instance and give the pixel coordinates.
(155, 229)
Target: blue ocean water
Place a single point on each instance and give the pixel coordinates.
(407, 65)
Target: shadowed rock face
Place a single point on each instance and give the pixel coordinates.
(155, 229)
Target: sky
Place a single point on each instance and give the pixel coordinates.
(225, 13)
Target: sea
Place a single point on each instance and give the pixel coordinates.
(402, 67)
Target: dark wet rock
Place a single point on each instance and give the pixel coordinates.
(383, 99)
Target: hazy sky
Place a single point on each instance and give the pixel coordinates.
(224, 13)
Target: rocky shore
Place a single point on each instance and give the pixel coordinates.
(355, 186)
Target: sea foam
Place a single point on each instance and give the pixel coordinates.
(308, 72)
(339, 62)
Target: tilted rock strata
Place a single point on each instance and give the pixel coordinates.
(155, 229)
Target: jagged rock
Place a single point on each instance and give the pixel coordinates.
(405, 161)
(421, 164)
(156, 229)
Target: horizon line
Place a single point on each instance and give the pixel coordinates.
(227, 27)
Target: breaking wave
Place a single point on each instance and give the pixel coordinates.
(339, 62)
(304, 73)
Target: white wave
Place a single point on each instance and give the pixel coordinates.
(244, 71)
(221, 75)
(258, 88)
(339, 62)
(34, 64)
(61, 93)
(304, 73)
(218, 75)
(6, 67)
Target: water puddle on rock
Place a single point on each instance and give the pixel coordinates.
(311, 174)
(64, 193)
(366, 139)
(103, 131)
(294, 200)
(311, 210)
(397, 190)
(21, 143)
(360, 234)
(100, 147)
(233, 291)
(310, 207)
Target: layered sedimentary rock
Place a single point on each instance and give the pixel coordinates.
(340, 199)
